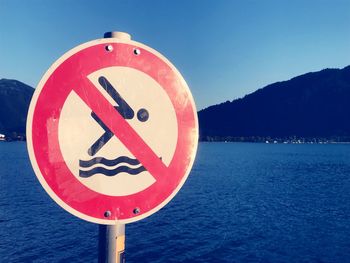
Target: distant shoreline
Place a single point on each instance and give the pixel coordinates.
(251, 139)
(12, 138)
(257, 142)
(278, 140)
(274, 142)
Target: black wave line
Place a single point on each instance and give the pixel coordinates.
(113, 172)
(107, 162)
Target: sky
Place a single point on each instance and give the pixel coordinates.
(224, 49)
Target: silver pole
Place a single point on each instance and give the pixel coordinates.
(111, 244)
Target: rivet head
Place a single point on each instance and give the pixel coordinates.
(107, 214)
(109, 48)
(137, 51)
(136, 210)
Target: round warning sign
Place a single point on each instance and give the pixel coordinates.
(112, 131)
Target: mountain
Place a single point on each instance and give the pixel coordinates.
(15, 97)
(313, 105)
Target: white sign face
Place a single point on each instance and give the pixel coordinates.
(112, 169)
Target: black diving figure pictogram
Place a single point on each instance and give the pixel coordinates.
(124, 109)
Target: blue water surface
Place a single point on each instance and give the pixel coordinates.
(241, 203)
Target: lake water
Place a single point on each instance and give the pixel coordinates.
(241, 203)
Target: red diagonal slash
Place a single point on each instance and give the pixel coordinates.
(120, 128)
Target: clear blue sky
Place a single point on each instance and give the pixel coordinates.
(225, 49)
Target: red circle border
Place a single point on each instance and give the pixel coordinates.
(46, 117)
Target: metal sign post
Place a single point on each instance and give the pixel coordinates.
(111, 243)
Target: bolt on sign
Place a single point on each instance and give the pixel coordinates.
(112, 131)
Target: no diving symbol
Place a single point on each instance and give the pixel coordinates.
(127, 113)
(102, 161)
(112, 134)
